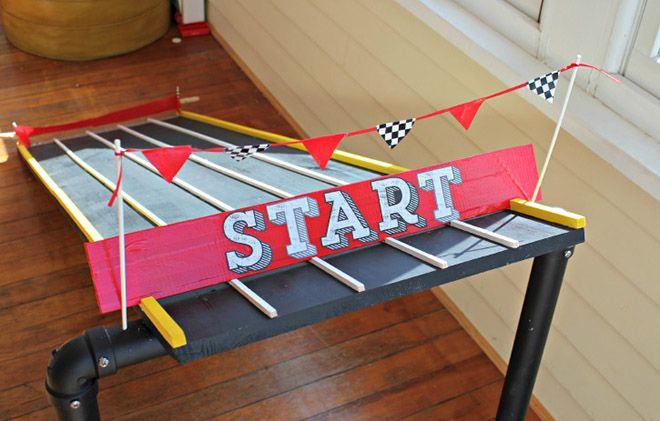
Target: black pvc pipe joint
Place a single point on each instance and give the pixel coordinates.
(74, 368)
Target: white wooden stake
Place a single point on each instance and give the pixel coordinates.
(120, 223)
(557, 128)
(417, 253)
(9, 135)
(337, 274)
(486, 234)
(253, 298)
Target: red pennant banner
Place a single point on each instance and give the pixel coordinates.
(168, 161)
(465, 113)
(322, 148)
(197, 253)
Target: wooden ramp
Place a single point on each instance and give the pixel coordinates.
(408, 356)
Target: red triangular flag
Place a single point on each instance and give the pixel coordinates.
(168, 161)
(465, 113)
(321, 148)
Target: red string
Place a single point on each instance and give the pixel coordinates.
(121, 153)
(589, 66)
(361, 131)
(117, 184)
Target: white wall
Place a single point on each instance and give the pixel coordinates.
(344, 65)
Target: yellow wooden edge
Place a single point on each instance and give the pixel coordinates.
(547, 213)
(163, 322)
(64, 200)
(347, 157)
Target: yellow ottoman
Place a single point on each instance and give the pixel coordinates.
(83, 29)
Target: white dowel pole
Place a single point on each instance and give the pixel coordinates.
(557, 128)
(9, 135)
(120, 224)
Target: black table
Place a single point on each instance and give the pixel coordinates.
(302, 294)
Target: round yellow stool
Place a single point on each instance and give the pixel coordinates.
(83, 29)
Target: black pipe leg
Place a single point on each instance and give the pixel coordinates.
(75, 367)
(535, 318)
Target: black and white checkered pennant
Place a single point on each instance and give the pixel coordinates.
(545, 85)
(239, 153)
(394, 132)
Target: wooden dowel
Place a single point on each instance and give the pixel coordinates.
(253, 298)
(485, 234)
(337, 274)
(555, 134)
(120, 230)
(417, 253)
(189, 100)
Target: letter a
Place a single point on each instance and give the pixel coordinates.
(398, 202)
(345, 217)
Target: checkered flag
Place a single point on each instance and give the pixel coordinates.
(239, 153)
(394, 132)
(545, 85)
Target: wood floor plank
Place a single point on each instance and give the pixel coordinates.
(270, 349)
(21, 400)
(48, 336)
(25, 204)
(43, 263)
(65, 304)
(39, 287)
(328, 393)
(32, 245)
(478, 404)
(30, 226)
(463, 407)
(306, 369)
(439, 386)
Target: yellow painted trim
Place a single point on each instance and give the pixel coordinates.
(547, 213)
(64, 200)
(347, 157)
(163, 322)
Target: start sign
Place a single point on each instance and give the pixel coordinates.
(197, 253)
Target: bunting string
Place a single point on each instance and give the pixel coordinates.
(118, 183)
(168, 161)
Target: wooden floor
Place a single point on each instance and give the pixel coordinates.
(404, 359)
